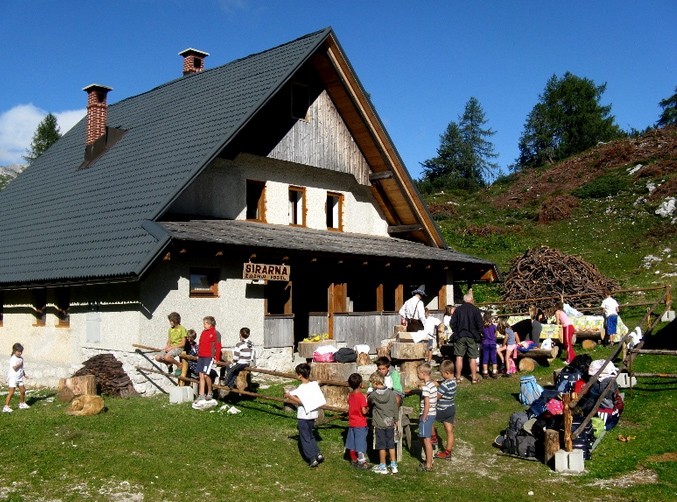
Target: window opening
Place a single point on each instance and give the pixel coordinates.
(256, 200)
(334, 211)
(297, 206)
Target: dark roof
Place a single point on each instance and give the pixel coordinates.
(283, 237)
(60, 222)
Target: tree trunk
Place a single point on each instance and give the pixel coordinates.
(409, 351)
(332, 371)
(336, 396)
(408, 374)
(80, 385)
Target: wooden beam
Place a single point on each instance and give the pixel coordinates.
(398, 229)
(379, 297)
(383, 175)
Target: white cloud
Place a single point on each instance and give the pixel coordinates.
(18, 125)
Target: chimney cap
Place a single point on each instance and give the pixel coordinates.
(193, 52)
(97, 87)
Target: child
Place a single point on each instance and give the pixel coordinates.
(610, 308)
(308, 397)
(489, 346)
(567, 331)
(208, 352)
(428, 412)
(384, 413)
(190, 348)
(15, 378)
(391, 377)
(176, 339)
(356, 440)
(507, 350)
(242, 357)
(432, 326)
(446, 407)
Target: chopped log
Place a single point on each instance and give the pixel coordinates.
(398, 328)
(527, 364)
(243, 380)
(65, 395)
(79, 385)
(332, 371)
(363, 359)
(111, 379)
(383, 351)
(551, 445)
(588, 345)
(336, 396)
(408, 374)
(409, 351)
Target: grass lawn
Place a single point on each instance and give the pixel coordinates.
(148, 449)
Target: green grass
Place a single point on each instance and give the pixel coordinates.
(148, 449)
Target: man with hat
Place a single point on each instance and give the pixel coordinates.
(413, 310)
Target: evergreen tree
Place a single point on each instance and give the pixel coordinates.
(46, 134)
(669, 115)
(568, 119)
(464, 155)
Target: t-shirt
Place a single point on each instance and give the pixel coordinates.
(489, 334)
(429, 390)
(244, 352)
(610, 306)
(510, 337)
(446, 394)
(11, 372)
(210, 344)
(176, 335)
(356, 401)
(562, 318)
(310, 394)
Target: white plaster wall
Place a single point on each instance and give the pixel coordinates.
(221, 192)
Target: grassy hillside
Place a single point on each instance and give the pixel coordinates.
(600, 205)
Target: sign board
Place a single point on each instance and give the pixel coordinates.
(265, 272)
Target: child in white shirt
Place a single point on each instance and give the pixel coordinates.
(15, 378)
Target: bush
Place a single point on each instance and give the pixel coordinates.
(604, 186)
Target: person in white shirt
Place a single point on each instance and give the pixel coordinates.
(15, 378)
(431, 326)
(413, 310)
(610, 308)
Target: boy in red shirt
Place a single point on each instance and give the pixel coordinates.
(208, 352)
(356, 440)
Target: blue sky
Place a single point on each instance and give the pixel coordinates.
(419, 60)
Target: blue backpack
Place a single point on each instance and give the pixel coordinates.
(530, 390)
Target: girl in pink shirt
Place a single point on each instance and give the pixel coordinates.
(567, 331)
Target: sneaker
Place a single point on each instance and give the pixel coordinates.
(6, 409)
(320, 458)
(177, 372)
(445, 455)
(23, 406)
(393, 468)
(362, 465)
(380, 469)
(314, 463)
(199, 402)
(424, 468)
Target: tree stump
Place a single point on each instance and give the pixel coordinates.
(79, 385)
(306, 349)
(409, 351)
(363, 359)
(408, 374)
(527, 364)
(336, 396)
(338, 372)
(243, 380)
(383, 351)
(551, 445)
(588, 345)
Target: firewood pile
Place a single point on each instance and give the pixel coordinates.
(111, 379)
(547, 272)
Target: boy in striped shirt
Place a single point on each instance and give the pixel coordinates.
(242, 357)
(446, 406)
(428, 410)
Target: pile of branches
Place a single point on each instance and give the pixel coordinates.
(546, 272)
(111, 379)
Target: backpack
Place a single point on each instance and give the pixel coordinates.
(345, 355)
(530, 390)
(585, 439)
(567, 378)
(517, 441)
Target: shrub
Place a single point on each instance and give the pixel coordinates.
(604, 186)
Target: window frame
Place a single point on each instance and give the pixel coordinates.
(294, 206)
(337, 226)
(212, 275)
(260, 200)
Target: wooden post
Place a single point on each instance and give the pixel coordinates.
(568, 420)
(399, 296)
(551, 444)
(184, 368)
(379, 297)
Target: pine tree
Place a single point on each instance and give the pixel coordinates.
(464, 155)
(46, 134)
(568, 119)
(669, 115)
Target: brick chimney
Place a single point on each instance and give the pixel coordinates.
(193, 60)
(96, 111)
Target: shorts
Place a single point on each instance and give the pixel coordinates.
(425, 427)
(385, 438)
(15, 382)
(466, 345)
(175, 352)
(204, 365)
(611, 324)
(357, 439)
(446, 415)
